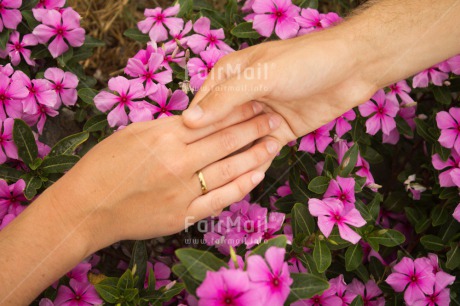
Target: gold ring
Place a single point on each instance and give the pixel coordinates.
(204, 188)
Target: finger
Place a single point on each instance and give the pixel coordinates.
(221, 144)
(240, 114)
(227, 170)
(221, 100)
(212, 203)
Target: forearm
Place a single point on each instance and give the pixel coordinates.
(37, 248)
(395, 39)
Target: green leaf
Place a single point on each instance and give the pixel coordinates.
(126, 281)
(231, 9)
(137, 35)
(322, 255)
(139, 259)
(353, 257)
(422, 225)
(349, 161)
(448, 230)
(245, 30)
(217, 19)
(453, 256)
(199, 262)
(191, 284)
(40, 52)
(59, 164)
(4, 37)
(424, 131)
(279, 242)
(363, 210)
(108, 293)
(358, 301)
(91, 42)
(442, 95)
(69, 144)
(319, 184)
(9, 174)
(87, 95)
(302, 221)
(152, 281)
(305, 286)
(25, 141)
(167, 295)
(186, 8)
(432, 243)
(386, 237)
(439, 215)
(403, 127)
(28, 4)
(96, 123)
(64, 58)
(33, 183)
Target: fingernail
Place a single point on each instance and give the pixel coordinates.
(272, 147)
(274, 122)
(194, 113)
(257, 107)
(257, 178)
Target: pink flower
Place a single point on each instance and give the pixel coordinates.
(370, 293)
(454, 64)
(456, 213)
(278, 15)
(148, 72)
(46, 302)
(162, 275)
(40, 93)
(270, 276)
(78, 294)
(341, 289)
(40, 117)
(227, 287)
(401, 90)
(171, 54)
(383, 112)
(157, 19)
(7, 147)
(50, 4)
(423, 79)
(199, 68)
(15, 48)
(342, 189)
(311, 20)
(448, 177)
(317, 140)
(80, 272)
(129, 94)
(11, 94)
(177, 102)
(342, 124)
(64, 26)
(416, 278)
(449, 124)
(64, 84)
(10, 16)
(179, 36)
(207, 38)
(441, 294)
(331, 212)
(11, 198)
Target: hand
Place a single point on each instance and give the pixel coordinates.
(309, 81)
(142, 183)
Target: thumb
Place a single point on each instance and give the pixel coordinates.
(220, 101)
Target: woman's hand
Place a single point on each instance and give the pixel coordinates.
(309, 81)
(142, 183)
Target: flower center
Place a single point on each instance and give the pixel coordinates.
(212, 39)
(337, 217)
(77, 297)
(278, 14)
(160, 18)
(2, 98)
(413, 278)
(276, 282)
(343, 197)
(124, 99)
(17, 46)
(148, 75)
(316, 300)
(13, 199)
(163, 110)
(228, 300)
(58, 87)
(380, 110)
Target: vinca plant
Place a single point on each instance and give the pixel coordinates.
(363, 211)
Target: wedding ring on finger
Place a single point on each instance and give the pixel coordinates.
(204, 188)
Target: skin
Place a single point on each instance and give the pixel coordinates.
(143, 179)
(385, 42)
(342, 67)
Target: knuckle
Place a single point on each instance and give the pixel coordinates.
(229, 141)
(259, 156)
(262, 127)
